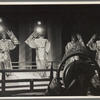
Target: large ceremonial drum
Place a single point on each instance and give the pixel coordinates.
(76, 76)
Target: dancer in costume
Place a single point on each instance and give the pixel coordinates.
(42, 47)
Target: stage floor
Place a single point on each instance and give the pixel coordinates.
(17, 86)
(24, 75)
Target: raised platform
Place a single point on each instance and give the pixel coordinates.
(27, 83)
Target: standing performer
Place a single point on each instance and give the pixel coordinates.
(80, 40)
(74, 40)
(42, 46)
(69, 46)
(95, 46)
(5, 46)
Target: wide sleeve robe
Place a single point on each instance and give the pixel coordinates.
(42, 47)
(5, 47)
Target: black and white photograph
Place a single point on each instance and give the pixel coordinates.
(50, 50)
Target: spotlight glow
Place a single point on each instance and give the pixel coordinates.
(39, 22)
(39, 29)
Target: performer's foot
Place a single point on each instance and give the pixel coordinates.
(7, 75)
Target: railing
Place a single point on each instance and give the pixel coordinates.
(31, 64)
(31, 85)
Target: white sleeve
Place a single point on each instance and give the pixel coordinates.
(68, 46)
(11, 45)
(48, 45)
(93, 46)
(31, 43)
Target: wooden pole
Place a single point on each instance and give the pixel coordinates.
(3, 82)
(51, 72)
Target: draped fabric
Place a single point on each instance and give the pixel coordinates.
(5, 47)
(96, 47)
(42, 47)
(68, 47)
(98, 52)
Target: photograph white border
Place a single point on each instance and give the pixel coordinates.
(50, 3)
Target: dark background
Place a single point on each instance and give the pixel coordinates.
(83, 19)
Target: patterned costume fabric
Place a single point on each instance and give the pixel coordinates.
(96, 47)
(5, 47)
(68, 47)
(98, 52)
(42, 47)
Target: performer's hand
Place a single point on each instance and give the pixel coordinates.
(78, 36)
(94, 36)
(9, 33)
(35, 34)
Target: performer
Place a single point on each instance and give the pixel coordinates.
(5, 46)
(80, 40)
(42, 46)
(95, 46)
(75, 40)
(70, 46)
